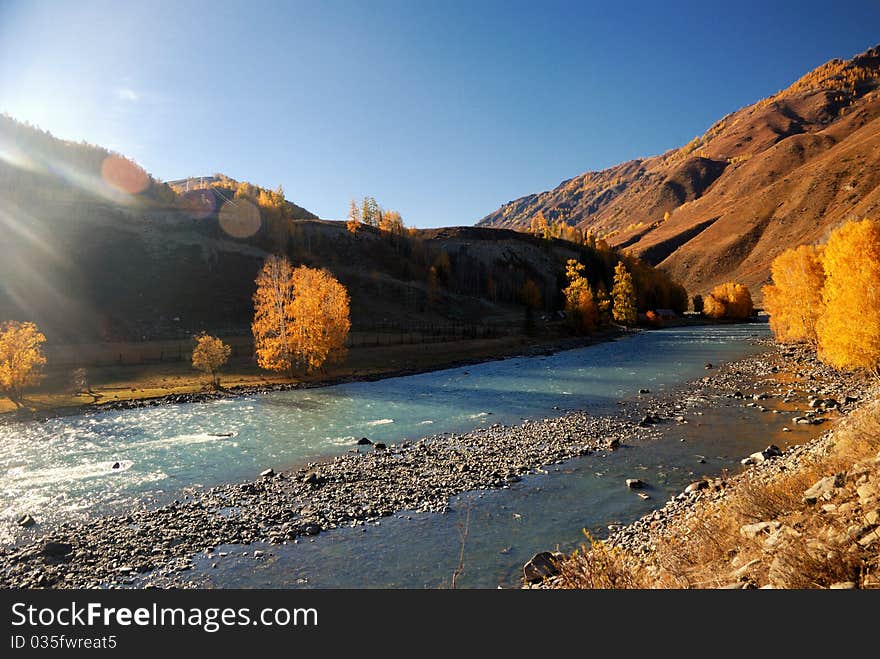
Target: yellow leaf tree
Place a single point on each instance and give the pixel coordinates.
(539, 225)
(21, 358)
(273, 316)
(729, 300)
(209, 356)
(321, 317)
(623, 293)
(301, 317)
(848, 328)
(580, 305)
(794, 300)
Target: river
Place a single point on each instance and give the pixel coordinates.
(73, 468)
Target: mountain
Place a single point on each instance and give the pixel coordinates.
(94, 248)
(781, 172)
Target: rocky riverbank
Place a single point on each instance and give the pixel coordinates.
(786, 380)
(156, 547)
(352, 489)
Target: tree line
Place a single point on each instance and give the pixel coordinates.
(828, 296)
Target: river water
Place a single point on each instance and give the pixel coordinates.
(72, 468)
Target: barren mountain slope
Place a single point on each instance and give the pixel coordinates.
(782, 171)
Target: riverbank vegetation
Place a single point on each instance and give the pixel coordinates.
(828, 297)
(812, 526)
(811, 519)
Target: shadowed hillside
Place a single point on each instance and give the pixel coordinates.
(96, 249)
(783, 171)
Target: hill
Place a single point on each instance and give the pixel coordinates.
(95, 248)
(781, 172)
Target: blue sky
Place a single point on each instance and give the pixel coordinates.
(442, 110)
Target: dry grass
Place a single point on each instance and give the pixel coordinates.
(811, 548)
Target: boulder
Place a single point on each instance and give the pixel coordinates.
(823, 488)
(363, 441)
(379, 446)
(635, 483)
(614, 444)
(313, 478)
(644, 391)
(696, 486)
(26, 521)
(540, 566)
(267, 473)
(56, 549)
(758, 528)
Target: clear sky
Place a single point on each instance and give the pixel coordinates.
(442, 110)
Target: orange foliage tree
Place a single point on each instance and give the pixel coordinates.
(624, 294)
(728, 300)
(21, 358)
(848, 328)
(794, 300)
(209, 356)
(580, 305)
(301, 316)
(321, 317)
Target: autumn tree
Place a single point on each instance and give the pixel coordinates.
(301, 317)
(580, 305)
(603, 303)
(794, 300)
(321, 313)
(354, 217)
(848, 328)
(729, 300)
(623, 294)
(391, 222)
(210, 355)
(21, 358)
(539, 225)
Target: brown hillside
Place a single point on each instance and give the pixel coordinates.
(780, 172)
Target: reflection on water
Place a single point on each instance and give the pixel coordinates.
(57, 469)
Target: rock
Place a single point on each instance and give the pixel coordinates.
(26, 521)
(259, 553)
(696, 486)
(56, 549)
(313, 478)
(758, 528)
(843, 585)
(363, 441)
(116, 465)
(379, 446)
(635, 483)
(267, 473)
(786, 429)
(541, 566)
(823, 488)
(644, 391)
(649, 420)
(866, 493)
(614, 444)
(643, 496)
(772, 451)
(708, 366)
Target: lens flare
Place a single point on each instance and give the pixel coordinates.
(124, 175)
(239, 218)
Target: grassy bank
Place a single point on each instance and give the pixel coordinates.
(133, 382)
(806, 520)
